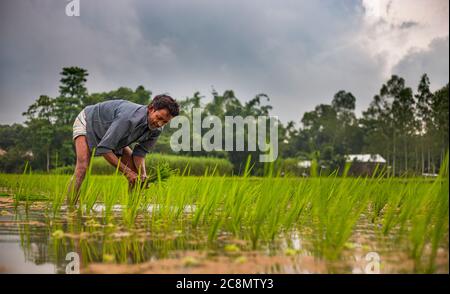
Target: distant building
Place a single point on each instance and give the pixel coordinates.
(305, 167)
(431, 175)
(304, 163)
(365, 158)
(364, 164)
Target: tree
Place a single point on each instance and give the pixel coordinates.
(331, 131)
(12, 136)
(440, 116)
(139, 96)
(344, 105)
(403, 114)
(384, 119)
(72, 96)
(424, 124)
(347, 133)
(49, 120)
(142, 96)
(228, 104)
(40, 129)
(72, 93)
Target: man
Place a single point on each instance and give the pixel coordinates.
(111, 127)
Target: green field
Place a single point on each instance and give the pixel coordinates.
(234, 224)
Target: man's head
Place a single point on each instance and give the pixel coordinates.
(161, 110)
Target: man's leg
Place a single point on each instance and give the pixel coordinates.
(83, 157)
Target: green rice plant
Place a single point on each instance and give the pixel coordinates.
(237, 205)
(314, 169)
(298, 205)
(22, 187)
(159, 173)
(280, 208)
(380, 198)
(429, 224)
(336, 209)
(135, 198)
(396, 197)
(440, 207)
(88, 191)
(130, 204)
(260, 212)
(239, 198)
(205, 195)
(111, 196)
(214, 229)
(58, 196)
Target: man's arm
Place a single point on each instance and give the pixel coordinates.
(139, 152)
(139, 163)
(114, 161)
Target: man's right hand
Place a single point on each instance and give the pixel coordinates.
(131, 176)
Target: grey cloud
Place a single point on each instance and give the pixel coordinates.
(408, 24)
(434, 62)
(298, 52)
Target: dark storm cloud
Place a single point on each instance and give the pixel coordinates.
(298, 52)
(257, 47)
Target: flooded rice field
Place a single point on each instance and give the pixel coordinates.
(33, 241)
(214, 224)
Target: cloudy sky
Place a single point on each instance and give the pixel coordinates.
(298, 52)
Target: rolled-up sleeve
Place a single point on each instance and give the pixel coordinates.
(143, 148)
(118, 129)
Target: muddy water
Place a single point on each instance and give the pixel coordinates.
(32, 241)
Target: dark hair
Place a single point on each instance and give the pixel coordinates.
(167, 102)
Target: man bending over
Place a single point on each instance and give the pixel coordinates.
(111, 127)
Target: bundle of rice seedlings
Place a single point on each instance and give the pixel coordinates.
(160, 173)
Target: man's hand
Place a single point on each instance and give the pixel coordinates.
(139, 162)
(131, 176)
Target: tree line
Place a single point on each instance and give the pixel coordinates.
(408, 127)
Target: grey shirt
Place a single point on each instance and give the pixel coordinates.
(115, 124)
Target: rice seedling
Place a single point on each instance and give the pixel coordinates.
(430, 220)
(88, 191)
(135, 199)
(110, 198)
(22, 188)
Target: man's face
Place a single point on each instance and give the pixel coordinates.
(158, 118)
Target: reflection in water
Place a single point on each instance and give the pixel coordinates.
(32, 234)
(13, 261)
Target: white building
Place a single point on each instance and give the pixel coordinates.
(304, 163)
(373, 158)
